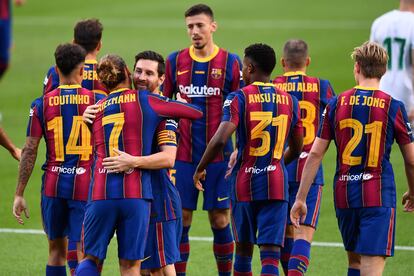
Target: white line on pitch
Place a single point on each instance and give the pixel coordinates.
(208, 239)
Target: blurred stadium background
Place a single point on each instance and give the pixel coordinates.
(331, 28)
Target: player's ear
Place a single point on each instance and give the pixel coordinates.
(214, 26)
(128, 76)
(308, 61)
(81, 69)
(161, 80)
(250, 68)
(99, 46)
(283, 62)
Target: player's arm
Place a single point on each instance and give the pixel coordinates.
(8, 144)
(407, 151)
(214, 147)
(174, 109)
(411, 110)
(296, 136)
(299, 209)
(27, 162)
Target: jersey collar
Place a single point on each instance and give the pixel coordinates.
(91, 61)
(205, 59)
(259, 83)
(118, 90)
(294, 73)
(365, 88)
(69, 86)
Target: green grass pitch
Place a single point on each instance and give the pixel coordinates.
(332, 29)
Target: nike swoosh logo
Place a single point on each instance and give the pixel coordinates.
(222, 198)
(179, 73)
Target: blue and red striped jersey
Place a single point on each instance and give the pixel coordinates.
(205, 83)
(364, 122)
(313, 95)
(265, 118)
(167, 202)
(5, 9)
(90, 79)
(57, 116)
(127, 120)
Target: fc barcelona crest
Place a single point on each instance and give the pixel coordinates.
(216, 73)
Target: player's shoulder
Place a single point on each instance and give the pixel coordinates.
(386, 16)
(37, 102)
(174, 55)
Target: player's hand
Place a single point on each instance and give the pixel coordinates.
(19, 206)
(408, 202)
(198, 176)
(179, 98)
(298, 213)
(411, 115)
(90, 113)
(232, 162)
(121, 163)
(16, 153)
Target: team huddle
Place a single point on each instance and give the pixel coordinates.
(128, 154)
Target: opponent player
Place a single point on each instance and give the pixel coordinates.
(88, 34)
(126, 121)
(267, 120)
(395, 31)
(363, 122)
(164, 234)
(5, 33)
(313, 95)
(57, 116)
(203, 74)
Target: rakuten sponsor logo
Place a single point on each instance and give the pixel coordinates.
(72, 170)
(193, 91)
(256, 170)
(355, 177)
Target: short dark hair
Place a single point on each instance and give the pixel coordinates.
(88, 33)
(295, 53)
(263, 56)
(199, 9)
(111, 71)
(68, 56)
(154, 56)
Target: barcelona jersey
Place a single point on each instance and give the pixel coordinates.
(90, 79)
(364, 122)
(5, 9)
(313, 94)
(127, 120)
(265, 118)
(204, 82)
(167, 202)
(57, 116)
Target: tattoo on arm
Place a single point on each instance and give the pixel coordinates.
(28, 160)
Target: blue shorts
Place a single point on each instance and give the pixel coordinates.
(313, 202)
(5, 42)
(62, 217)
(267, 218)
(128, 217)
(216, 188)
(163, 244)
(368, 231)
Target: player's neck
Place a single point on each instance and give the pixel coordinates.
(207, 50)
(289, 69)
(374, 83)
(91, 55)
(69, 80)
(406, 7)
(261, 78)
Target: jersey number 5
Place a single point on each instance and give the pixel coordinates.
(258, 132)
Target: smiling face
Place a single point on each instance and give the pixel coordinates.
(146, 75)
(200, 29)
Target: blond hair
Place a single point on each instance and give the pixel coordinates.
(111, 71)
(372, 59)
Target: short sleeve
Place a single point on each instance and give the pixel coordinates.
(297, 127)
(231, 109)
(34, 127)
(402, 127)
(325, 130)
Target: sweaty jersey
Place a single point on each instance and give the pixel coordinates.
(395, 31)
(364, 122)
(127, 120)
(5, 8)
(57, 116)
(265, 118)
(167, 202)
(204, 82)
(313, 95)
(90, 79)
